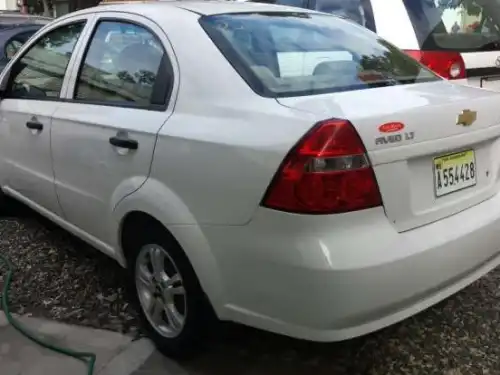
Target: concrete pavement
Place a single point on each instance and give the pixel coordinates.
(157, 364)
(116, 354)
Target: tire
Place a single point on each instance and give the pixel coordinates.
(5, 203)
(3, 199)
(197, 313)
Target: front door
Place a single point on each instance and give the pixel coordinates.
(103, 136)
(30, 99)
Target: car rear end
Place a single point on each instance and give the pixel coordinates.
(387, 203)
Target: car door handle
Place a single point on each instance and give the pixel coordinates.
(124, 143)
(35, 125)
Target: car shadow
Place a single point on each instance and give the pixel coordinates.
(456, 333)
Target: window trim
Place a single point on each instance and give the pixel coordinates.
(165, 67)
(27, 47)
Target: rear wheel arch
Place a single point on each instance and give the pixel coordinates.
(194, 248)
(133, 221)
(142, 234)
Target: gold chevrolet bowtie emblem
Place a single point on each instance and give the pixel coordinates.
(467, 117)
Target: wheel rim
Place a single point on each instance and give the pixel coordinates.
(161, 290)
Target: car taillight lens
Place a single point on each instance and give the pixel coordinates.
(327, 172)
(449, 65)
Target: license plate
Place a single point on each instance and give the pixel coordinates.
(454, 172)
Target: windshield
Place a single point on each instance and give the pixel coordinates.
(293, 54)
(457, 25)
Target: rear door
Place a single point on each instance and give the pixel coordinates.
(470, 27)
(104, 134)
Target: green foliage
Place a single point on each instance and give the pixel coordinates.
(471, 6)
(393, 62)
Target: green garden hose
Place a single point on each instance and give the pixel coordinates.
(87, 358)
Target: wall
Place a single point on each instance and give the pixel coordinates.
(60, 8)
(66, 6)
(8, 4)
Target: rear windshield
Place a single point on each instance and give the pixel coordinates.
(295, 54)
(457, 25)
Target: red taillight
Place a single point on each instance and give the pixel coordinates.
(327, 172)
(449, 65)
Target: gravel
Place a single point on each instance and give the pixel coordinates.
(459, 336)
(61, 278)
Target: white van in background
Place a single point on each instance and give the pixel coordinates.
(458, 39)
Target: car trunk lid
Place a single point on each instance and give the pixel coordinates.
(434, 147)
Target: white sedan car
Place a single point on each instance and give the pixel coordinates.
(272, 166)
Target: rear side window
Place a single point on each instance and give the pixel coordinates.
(294, 54)
(125, 64)
(39, 73)
(456, 25)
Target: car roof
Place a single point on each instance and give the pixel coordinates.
(207, 7)
(16, 29)
(22, 16)
(9, 20)
(8, 33)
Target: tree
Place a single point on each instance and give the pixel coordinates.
(40, 6)
(392, 63)
(47, 8)
(470, 6)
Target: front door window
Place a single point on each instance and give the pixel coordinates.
(39, 73)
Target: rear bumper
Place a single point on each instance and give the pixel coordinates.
(490, 83)
(337, 277)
